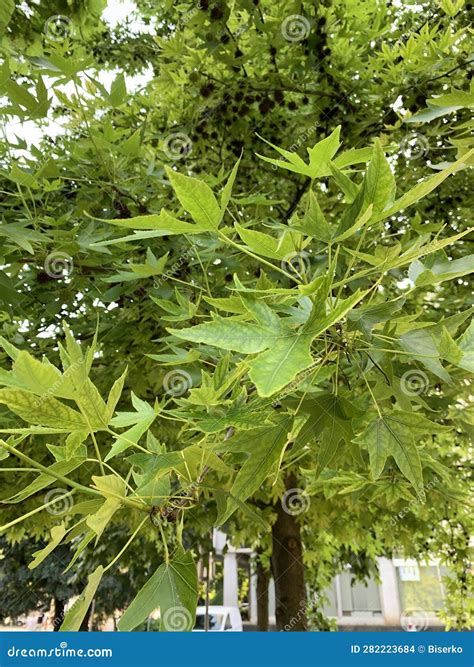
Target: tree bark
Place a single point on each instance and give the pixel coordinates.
(58, 612)
(263, 580)
(288, 569)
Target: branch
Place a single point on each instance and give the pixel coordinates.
(186, 497)
(302, 189)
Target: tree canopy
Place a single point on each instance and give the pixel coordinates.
(233, 289)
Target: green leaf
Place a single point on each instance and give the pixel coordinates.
(113, 488)
(110, 486)
(422, 344)
(319, 157)
(88, 537)
(360, 222)
(287, 350)
(436, 270)
(294, 162)
(266, 245)
(118, 90)
(181, 357)
(131, 146)
(12, 351)
(115, 394)
(353, 156)
(329, 421)
(227, 191)
(172, 589)
(142, 411)
(197, 199)
(366, 317)
(430, 114)
(314, 223)
(448, 349)
(379, 181)
(466, 345)
(264, 447)
(152, 267)
(75, 615)
(332, 436)
(43, 480)
(156, 491)
(57, 534)
(458, 98)
(287, 354)
(393, 434)
(131, 436)
(20, 95)
(278, 366)
(73, 442)
(100, 519)
(160, 224)
(322, 153)
(318, 323)
(7, 8)
(227, 334)
(32, 375)
(348, 187)
(424, 188)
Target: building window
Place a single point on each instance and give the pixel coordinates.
(423, 591)
(359, 599)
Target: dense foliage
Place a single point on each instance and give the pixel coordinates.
(233, 289)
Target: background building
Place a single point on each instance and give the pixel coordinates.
(408, 595)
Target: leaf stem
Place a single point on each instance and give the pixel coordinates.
(66, 480)
(48, 471)
(165, 544)
(92, 434)
(35, 511)
(251, 254)
(126, 545)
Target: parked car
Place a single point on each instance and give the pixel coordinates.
(221, 619)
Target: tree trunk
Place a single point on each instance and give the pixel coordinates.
(288, 569)
(263, 580)
(85, 625)
(58, 612)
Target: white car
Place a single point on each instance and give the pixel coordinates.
(221, 619)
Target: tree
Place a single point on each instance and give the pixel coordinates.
(52, 585)
(278, 304)
(24, 590)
